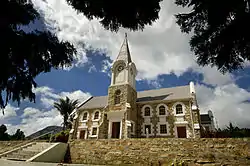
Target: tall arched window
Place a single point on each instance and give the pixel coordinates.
(117, 96)
(147, 111)
(96, 116)
(85, 116)
(162, 110)
(179, 109)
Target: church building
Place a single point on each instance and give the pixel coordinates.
(127, 113)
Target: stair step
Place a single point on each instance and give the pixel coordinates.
(16, 159)
(13, 156)
(18, 156)
(34, 150)
(27, 152)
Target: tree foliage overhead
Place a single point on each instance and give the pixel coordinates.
(131, 14)
(221, 31)
(65, 107)
(26, 55)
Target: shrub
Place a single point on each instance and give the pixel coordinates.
(61, 137)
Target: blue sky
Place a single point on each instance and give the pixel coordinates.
(160, 52)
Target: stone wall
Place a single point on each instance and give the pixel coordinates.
(162, 151)
(87, 125)
(170, 118)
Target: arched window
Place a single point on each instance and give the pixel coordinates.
(147, 111)
(85, 116)
(96, 116)
(162, 110)
(117, 96)
(179, 109)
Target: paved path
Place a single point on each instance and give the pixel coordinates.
(22, 163)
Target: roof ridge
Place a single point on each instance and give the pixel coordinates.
(164, 88)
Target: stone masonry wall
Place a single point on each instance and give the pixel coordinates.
(128, 95)
(102, 123)
(170, 119)
(162, 151)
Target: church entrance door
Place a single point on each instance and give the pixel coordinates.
(181, 131)
(82, 134)
(116, 130)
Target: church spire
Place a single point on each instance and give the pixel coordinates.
(124, 53)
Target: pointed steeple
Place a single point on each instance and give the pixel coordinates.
(124, 53)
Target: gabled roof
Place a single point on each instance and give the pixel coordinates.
(179, 92)
(175, 93)
(124, 53)
(96, 102)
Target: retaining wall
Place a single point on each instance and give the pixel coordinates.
(161, 151)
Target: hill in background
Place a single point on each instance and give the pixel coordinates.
(53, 129)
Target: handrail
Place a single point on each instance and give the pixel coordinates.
(29, 141)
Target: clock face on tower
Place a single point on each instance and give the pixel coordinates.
(120, 68)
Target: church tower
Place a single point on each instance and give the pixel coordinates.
(122, 95)
(123, 69)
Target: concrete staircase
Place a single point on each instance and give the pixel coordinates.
(26, 152)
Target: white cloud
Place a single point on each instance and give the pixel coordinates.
(49, 96)
(227, 103)
(30, 112)
(213, 77)
(45, 91)
(34, 120)
(155, 83)
(76, 95)
(9, 112)
(159, 49)
(92, 68)
(47, 102)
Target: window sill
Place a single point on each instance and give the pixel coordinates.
(96, 120)
(163, 134)
(148, 135)
(162, 115)
(181, 123)
(84, 121)
(92, 136)
(179, 114)
(146, 116)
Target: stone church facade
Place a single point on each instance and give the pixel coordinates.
(126, 113)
